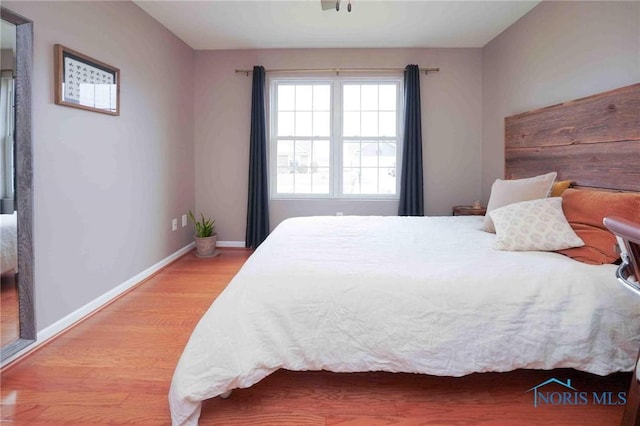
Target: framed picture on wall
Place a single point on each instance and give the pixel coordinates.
(85, 83)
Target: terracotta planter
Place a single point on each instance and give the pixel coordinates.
(206, 247)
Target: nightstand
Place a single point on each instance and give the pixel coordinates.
(468, 211)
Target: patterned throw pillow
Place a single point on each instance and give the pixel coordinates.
(533, 225)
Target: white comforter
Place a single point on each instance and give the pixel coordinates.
(8, 243)
(400, 294)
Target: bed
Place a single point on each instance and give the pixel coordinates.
(425, 295)
(8, 243)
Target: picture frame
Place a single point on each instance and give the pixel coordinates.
(84, 82)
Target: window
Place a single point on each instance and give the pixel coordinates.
(335, 138)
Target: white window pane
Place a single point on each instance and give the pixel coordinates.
(387, 97)
(286, 98)
(351, 181)
(285, 123)
(283, 160)
(303, 156)
(284, 181)
(321, 124)
(286, 158)
(322, 97)
(369, 156)
(387, 124)
(303, 148)
(321, 153)
(303, 124)
(304, 97)
(369, 97)
(285, 151)
(369, 124)
(369, 181)
(392, 171)
(351, 124)
(351, 97)
(387, 154)
(302, 182)
(320, 180)
(387, 181)
(351, 154)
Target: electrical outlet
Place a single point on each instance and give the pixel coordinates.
(184, 220)
(338, 213)
(174, 225)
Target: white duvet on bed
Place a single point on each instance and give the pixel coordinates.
(403, 294)
(8, 243)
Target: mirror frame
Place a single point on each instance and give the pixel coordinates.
(24, 180)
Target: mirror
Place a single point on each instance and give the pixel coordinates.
(16, 192)
(8, 217)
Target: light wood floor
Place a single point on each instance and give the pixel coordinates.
(8, 309)
(115, 368)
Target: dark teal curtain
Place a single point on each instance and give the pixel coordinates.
(258, 202)
(411, 192)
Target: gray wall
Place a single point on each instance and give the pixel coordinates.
(557, 52)
(452, 129)
(106, 188)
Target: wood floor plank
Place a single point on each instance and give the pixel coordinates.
(76, 397)
(23, 413)
(116, 368)
(91, 415)
(8, 309)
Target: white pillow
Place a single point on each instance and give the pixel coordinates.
(534, 225)
(505, 192)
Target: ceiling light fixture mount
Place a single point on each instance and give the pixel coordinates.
(330, 4)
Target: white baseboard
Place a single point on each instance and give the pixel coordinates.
(59, 326)
(234, 244)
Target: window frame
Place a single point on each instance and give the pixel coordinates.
(336, 138)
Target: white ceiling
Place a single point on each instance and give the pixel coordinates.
(245, 24)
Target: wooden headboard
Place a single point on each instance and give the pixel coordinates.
(593, 141)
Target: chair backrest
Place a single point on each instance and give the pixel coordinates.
(628, 234)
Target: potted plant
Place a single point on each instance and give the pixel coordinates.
(206, 236)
